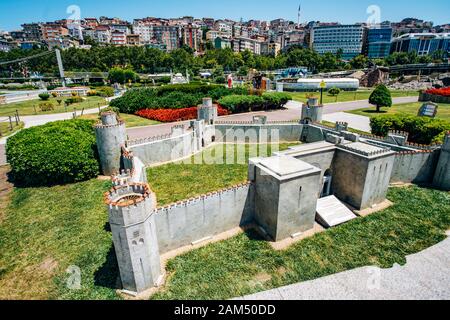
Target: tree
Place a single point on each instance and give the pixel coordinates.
(359, 62)
(334, 92)
(122, 76)
(381, 97)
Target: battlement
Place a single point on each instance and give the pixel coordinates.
(364, 149)
(109, 119)
(134, 142)
(187, 202)
(122, 178)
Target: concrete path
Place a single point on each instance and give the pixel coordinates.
(354, 121)
(426, 276)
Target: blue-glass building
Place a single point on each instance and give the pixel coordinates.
(378, 42)
(422, 43)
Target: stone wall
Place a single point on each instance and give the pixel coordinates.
(424, 97)
(414, 166)
(185, 222)
(240, 131)
(164, 149)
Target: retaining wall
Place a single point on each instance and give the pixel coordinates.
(185, 222)
(424, 97)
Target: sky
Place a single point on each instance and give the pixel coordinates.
(15, 12)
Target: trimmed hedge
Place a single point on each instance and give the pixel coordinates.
(246, 103)
(238, 103)
(421, 130)
(170, 97)
(56, 153)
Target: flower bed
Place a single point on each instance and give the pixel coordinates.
(445, 92)
(172, 115)
(436, 95)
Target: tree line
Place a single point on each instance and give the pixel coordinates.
(150, 60)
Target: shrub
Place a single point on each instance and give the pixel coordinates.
(276, 100)
(381, 97)
(44, 96)
(421, 130)
(76, 99)
(334, 91)
(92, 93)
(187, 88)
(221, 92)
(238, 103)
(56, 153)
(46, 106)
(54, 94)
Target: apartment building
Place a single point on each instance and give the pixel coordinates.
(348, 38)
(118, 38)
(32, 31)
(192, 36)
(53, 31)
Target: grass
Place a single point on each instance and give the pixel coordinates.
(179, 181)
(346, 96)
(245, 264)
(130, 120)
(5, 129)
(46, 230)
(26, 108)
(406, 108)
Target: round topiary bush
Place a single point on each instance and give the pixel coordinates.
(56, 153)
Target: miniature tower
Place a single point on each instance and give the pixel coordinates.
(207, 111)
(312, 111)
(442, 175)
(131, 216)
(111, 136)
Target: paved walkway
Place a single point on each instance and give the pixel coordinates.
(354, 121)
(426, 276)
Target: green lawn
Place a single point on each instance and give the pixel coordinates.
(346, 96)
(179, 181)
(26, 108)
(130, 120)
(46, 230)
(245, 264)
(5, 129)
(407, 108)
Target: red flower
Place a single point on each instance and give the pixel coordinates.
(440, 92)
(172, 115)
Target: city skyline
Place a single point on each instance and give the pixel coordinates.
(13, 14)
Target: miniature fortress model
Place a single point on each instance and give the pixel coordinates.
(285, 193)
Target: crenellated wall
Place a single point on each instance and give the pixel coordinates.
(242, 131)
(415, 166)
(182, 223)
(169, 148)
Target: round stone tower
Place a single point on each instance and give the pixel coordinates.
(110, 133)
(131, 217)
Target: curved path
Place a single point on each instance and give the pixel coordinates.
(426, 276)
